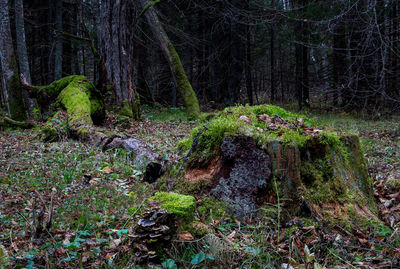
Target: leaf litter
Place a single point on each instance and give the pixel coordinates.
(61, 203)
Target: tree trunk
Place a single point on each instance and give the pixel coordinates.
(272, 65)
(22, 51)
(59, 45)
(181, 81)
(236, 61)
(272, 60)
(249, 82)
(116, 44)
(339, 62)
(10, 79)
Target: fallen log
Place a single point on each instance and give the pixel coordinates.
(79, 108)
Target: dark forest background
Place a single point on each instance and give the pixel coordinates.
(339, 54)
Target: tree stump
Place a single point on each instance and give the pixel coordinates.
(246, 150)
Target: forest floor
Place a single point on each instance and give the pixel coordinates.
(61, 206)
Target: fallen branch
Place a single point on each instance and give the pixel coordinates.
(7, 122)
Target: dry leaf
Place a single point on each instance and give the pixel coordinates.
(232, 235)
(273, 127)
(265, 118)
(107, 170)
(245, 119)
(185, 236)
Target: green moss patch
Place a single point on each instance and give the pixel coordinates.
(229, 122)
(212, 209)
(183, 85)
(177, 204)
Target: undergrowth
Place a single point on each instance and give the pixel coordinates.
(94, 197)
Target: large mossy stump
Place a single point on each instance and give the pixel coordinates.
(245, 150)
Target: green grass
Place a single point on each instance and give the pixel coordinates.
(160, 113)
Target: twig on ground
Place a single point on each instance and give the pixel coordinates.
(315, 216)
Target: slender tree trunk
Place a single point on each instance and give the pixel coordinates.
(298, 78)
(59, 44)
(22, 51)
(21, 43)
(174, 61)
(339, 62)
(249, 83)
(272, 65)
(305, 78)
(272, 60)
(10, 78)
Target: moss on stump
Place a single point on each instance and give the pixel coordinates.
(308, 160)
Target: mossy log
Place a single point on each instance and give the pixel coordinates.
(7, 122)
(247, 154)
(79, 108)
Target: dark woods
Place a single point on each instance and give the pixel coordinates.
(340, 54)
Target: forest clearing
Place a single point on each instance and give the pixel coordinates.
(93, 198)
(199, 134)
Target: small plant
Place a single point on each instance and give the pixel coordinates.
(201, 257)
(169, 264)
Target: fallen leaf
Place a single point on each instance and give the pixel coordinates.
(60, 251)
(232, 235)
(185, 236)
(265, 118)
(273, 127)
(245, 119)
(107, 170)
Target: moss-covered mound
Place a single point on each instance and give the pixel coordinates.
(182, 206)
(245, 149)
